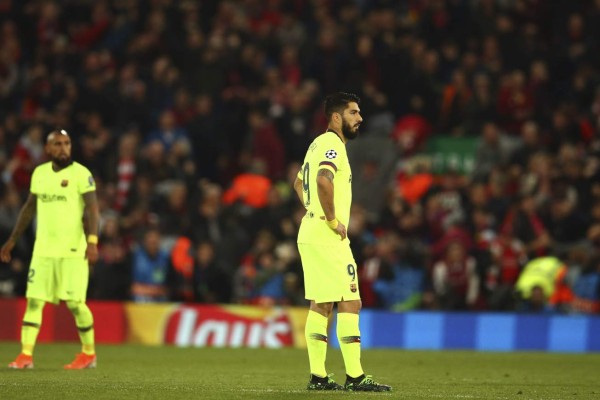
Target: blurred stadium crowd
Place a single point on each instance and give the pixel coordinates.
(194, 117)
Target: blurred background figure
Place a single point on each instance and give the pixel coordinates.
(151, 269)
(543, 286)
(455, 279)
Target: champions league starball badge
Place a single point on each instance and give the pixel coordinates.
(331, 154)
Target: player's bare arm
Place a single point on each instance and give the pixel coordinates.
(298, 189)
(325, 192)
(92, 218)
(25, 216)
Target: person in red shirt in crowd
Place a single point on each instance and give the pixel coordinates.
(28, 153)
(524, 223)
(410, 133)
(515, 102)
(455, 278)
(266, 144)
(508, 258)
(455, 98)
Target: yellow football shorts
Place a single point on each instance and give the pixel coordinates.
(54, 279)
(330, 273)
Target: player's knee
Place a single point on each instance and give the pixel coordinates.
(73, 306)
(352, 306)
(356, 306)
(322, 308)
(34, 305)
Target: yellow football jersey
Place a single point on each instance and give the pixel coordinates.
(60, 209)
(327, 151)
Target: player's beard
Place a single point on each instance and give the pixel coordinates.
(62, 162)
(348, 132)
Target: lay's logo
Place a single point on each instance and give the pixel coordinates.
(218, 327)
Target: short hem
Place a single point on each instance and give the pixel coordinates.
(340, 300)
(53, 301)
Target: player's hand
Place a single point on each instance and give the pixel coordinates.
(91, 253)
(6, 249)
(340, 229)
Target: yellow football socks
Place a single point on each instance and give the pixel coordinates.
(32, 320)
(349, 337)
(316, 342)
(85, 326)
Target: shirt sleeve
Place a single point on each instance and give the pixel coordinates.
(33, 186)
(85, 181)
(329, 157)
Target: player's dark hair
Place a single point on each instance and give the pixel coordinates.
(338, 102)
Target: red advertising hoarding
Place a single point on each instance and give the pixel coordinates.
(166, 323)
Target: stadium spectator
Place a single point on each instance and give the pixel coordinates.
(481, 106)
(455, 98)
(211, 223)
(494, 149)
(246, 289)
(95, 143)
(27, 154)
(515, 102)
(172, 210)
(110, 277)
(123, 172)
(530, 143)
(455, 279)
(169, 133)
(212, 282)
(12, 273)
(250, 188)
(265, 144)
(269, 280)
(394, 275)
(294, 126)
(182, 260)
(373, 169)
(209, 148)
(524, 223)
(507, 260)
(151, 269)
(593, 232)
(586, 290)
(543, 287)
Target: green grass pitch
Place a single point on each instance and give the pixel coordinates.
(141, 372)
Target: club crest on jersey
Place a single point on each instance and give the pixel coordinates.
(64, 183)
(331, 154)
(353, 287)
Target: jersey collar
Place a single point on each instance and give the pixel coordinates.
(336, 134)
